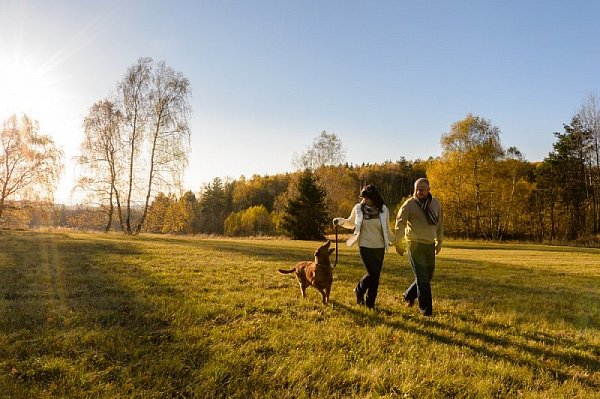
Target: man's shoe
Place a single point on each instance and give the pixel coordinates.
(359, 297)
(409, 302)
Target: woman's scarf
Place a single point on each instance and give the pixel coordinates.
(369, 212)
(359, 217)
(432, 218)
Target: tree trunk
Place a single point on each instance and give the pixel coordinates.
(110, 212)
(150, 177)
(504, 229)
(130, 182)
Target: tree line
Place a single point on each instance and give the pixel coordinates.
(136, 144)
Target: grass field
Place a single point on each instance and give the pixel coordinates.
(108, 316)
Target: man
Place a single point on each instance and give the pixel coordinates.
(421, 223)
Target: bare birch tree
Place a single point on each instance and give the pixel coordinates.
(134, 97)
(169, 135)
(589, 114)
(326, 149)
(139, 143)
(100, 155)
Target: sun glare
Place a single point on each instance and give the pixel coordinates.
(24, 88)
(29, 87)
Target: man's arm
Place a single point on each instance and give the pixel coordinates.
(440, 232)
(400, 228)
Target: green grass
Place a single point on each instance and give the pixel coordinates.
(108, 316)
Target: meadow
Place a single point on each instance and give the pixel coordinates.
(86, 315)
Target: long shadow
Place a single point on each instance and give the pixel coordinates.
(68, 297)
(498, 348)
(485, 284)
(495, 344)
(270, 250)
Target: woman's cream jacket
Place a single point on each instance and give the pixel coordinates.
(355, 220)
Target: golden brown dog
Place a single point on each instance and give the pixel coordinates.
(319, 273)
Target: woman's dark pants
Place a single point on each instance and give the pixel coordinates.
(422, 261)
(372, 258)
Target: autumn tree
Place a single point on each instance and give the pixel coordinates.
(470, 152)
(341, 189)
(30, 163)
(189, 211)
(158, 212)
(258, 190)
(249, 222)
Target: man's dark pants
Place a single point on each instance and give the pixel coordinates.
(422, 261)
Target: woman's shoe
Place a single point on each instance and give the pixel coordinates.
(359, 297)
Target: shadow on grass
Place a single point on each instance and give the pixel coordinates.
(563, 363)
(550, 294)
(553, 296)
(498, 344)
(283, 251)
(88, 303)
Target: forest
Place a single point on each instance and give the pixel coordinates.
(488, 192)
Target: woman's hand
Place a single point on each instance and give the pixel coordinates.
(399, 249)
(338, 221)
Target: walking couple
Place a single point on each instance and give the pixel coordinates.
(419, 230)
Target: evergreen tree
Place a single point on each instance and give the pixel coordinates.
(305, 214)
(569, 176)
(212, 204)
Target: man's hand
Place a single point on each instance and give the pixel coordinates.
(337, 221)
(438, 248)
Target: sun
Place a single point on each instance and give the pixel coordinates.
(25, 87)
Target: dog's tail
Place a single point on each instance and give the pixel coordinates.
(284, 271)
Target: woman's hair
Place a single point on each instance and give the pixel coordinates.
(370, 192)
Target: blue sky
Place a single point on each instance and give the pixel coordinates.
(387, 77)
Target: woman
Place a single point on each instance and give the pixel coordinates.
(369, 219)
